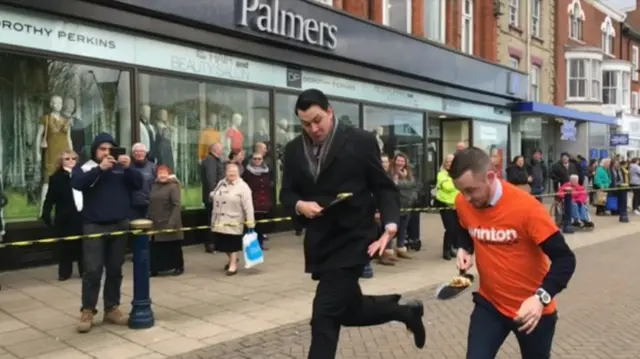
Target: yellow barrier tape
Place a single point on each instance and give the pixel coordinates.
(234, 224)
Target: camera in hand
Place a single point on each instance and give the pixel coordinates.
(117, 152)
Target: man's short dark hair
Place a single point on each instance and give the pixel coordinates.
(311, 97)
(469, 159)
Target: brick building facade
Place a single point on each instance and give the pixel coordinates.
(483, 20)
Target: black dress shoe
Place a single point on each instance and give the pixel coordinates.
(414, 323)
(446, 255)
(62, 278)
(226, 266)
(177, 272)
(230, 273)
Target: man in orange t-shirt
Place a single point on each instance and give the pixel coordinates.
(523, 260)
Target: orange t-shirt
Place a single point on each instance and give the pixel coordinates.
(236, 138)
(208, 137)
(506, 238)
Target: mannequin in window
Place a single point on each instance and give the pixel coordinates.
(147, 131)
(284, 132)
(209, 136)
(53, 138)
(78, 132)
(234, 139)
(379, 132)
(164, 134)
(262, 133)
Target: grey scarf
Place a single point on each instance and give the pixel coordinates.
(315, 157)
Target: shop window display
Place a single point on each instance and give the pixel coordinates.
(398, 131)
(492, 137)
(181, 119)
(47, 107)
(288, 125)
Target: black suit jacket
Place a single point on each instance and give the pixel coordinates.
(340, 237)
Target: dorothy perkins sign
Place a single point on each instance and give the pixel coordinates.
(267, 16)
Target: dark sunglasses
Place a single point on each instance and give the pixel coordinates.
(70, 159)
(257, 158)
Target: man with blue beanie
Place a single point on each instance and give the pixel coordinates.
(107, 185)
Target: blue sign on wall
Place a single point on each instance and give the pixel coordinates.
(593, 153)
(604, 153)
(619, 139)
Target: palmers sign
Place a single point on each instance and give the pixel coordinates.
(266, 16)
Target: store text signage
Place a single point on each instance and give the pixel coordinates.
(69, 36)
(267, 16)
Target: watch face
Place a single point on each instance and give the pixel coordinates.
(545, 298)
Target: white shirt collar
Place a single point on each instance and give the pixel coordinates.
(497, 194)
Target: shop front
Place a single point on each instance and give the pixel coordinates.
(66, 80)
(555, 130)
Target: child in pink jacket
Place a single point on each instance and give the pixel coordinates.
(579, 210)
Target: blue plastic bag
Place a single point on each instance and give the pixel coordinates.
(612, 203)
(253, 254)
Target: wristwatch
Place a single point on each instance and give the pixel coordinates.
(544, 297)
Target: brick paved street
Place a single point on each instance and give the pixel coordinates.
(599, 317)
(204, 307)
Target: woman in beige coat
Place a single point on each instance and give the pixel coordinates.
(232, 210)
(164, 211)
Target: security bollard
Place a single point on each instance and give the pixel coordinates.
(141, 316)
(622, 206)
(567, 221)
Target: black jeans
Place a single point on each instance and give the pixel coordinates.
(108, 253)
(339, 302)
(449, 218)
(262, 228)
(488, 329)
(208, 237)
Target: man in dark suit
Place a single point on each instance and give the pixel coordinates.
(328, 159)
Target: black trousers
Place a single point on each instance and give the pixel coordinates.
(339, 302)
(208, 237)
(262, 228)
(488, 330)
(449, 218)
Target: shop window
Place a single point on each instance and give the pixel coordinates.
(181, 119)
(576, 20)
(608, 33)
(626, 87)
(397, 14)
(288, 126)
(467, 26)
(492, 137)
(47, 107)
(398, 131)
(435, 20)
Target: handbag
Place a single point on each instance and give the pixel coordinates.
(253, 254)
(612, 203)
(601, 198)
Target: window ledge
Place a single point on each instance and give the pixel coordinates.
(580, 42)
(573, 100)
(537, 39)
(515, 29)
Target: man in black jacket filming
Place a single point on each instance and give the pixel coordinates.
(329, 159)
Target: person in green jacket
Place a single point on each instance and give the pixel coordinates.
(446, 193)
(602, 180)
